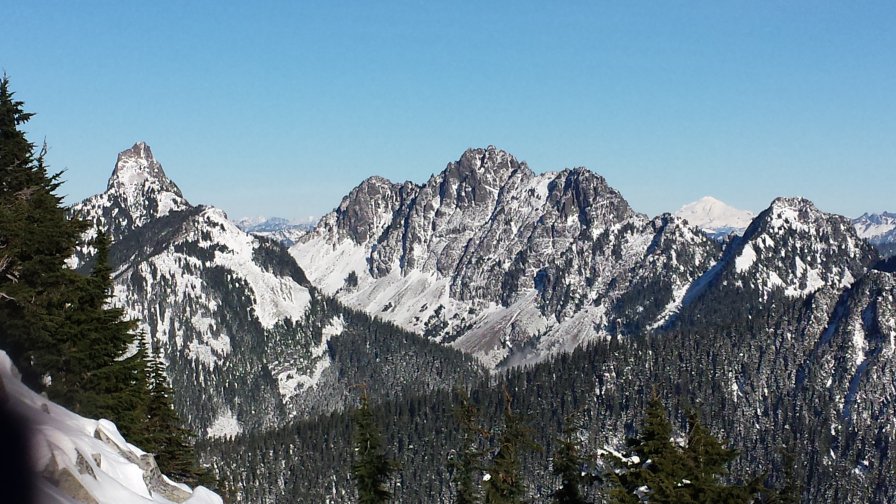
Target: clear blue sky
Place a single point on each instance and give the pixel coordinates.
(279, 108)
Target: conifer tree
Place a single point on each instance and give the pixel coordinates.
(91, 375)
(568, 464)
(371, 467)
(708, 461)
(164, 435)
(656, 469)
(653, 465)
(36, 238)
(466, 464)
(503, 481)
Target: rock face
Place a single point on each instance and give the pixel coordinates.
(500, 261)
(247, 341)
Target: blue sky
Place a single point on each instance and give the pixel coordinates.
(280, 108)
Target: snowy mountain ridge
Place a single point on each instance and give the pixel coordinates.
(715, 217)
(248, 342)
(512, 266)
(80, 460)
(203, 290)
(878, 228)
(275, 228)
(498, 261)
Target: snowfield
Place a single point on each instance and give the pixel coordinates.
(82, 460)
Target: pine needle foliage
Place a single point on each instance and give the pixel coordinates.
(504, 482)
(465, 464)
(656, 469)
(36, 238)
(371, 467)
(568, 464)
(164, 433)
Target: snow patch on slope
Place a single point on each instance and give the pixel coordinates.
(292, 382)
(276, 297)
(225, 425)
(88, 453)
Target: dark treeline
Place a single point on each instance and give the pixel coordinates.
(730, 363)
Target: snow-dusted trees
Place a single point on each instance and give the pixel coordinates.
(371, 466)
(657, 469)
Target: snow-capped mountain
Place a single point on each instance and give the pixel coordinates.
(137, 192)
(879, 229)
(511, 266)
(794, 248)
(498, 260)
(204, 291)
(77, 460)
(876, 228)
(275, 228)
(715, 217)
(247, 340)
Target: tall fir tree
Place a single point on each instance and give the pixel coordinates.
(503, 482)
(164, 434)
(92, 374)
(654, 464)
(371, 467)
(708, 461)
(36, 238)
(656, 469)
(466, 463)
(568, 465)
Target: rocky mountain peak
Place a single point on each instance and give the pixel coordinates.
(135, 166)
(877, 228)
(137, 193)
(794, 246)
(140, 185)
(478, 176)
(582, 194)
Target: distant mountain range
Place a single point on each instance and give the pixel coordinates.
(879, 229)
(782, 333)
(276, 228)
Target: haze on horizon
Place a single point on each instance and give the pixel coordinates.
(281, 110)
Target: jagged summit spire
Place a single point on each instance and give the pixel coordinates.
(140, 185)
(140, 150)
(135, 166)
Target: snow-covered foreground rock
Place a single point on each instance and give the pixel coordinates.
(80, 460)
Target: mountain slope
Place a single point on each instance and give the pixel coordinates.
(496, 260)
(784, 346)
(84, 460)
(876, 228)
(714, 217)
(247, 341)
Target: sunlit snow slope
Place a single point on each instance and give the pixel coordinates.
(80, 460)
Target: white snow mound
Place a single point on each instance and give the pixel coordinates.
(83, 460)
